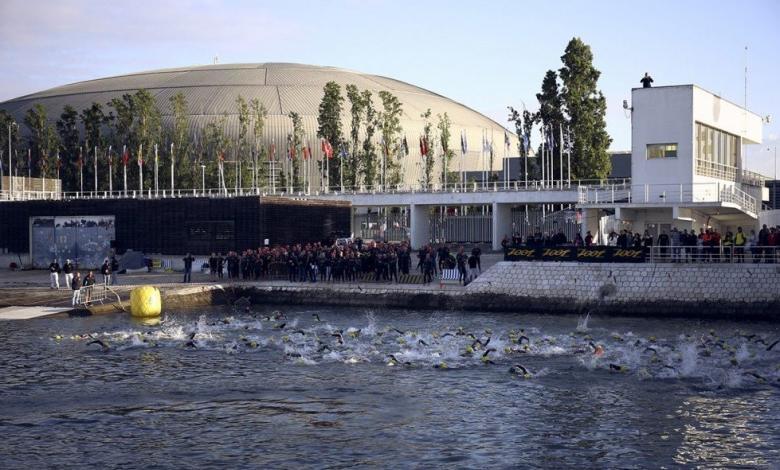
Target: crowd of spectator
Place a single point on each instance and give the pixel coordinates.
(342, 261)
(680, 246)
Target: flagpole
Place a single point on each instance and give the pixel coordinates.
(81, 171)
(542, 157)
(568, 154)
(141, 169)
(172, 169)
(124, 166)
(110, 169)
(156, 173)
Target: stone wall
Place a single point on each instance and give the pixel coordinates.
(696, 290)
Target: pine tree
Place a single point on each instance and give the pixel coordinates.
(586, 108)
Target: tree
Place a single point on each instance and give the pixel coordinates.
(35, 120)
(180, 137)
(244, 119)
(550, 116)
(259, 115)
(215, 146)
(6, 120)
(586, 108)
(297, 143)
(353, 169)
(92, 119)
(67, 127)
(329, 123)
(446, 152)
(368, 156)
(426, 178)
(146, 128)
(390, 128)
(523, 123)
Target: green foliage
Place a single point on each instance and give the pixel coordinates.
(180, 138)
(329, 123)
(244, 121)
(426, 177)
(258, 116)
(447, 153)
(297, 143)
(67, 127)
(390, 128)
(352, 167)
(586, 108)
(369, 156)
(215, 144)
(42, 141)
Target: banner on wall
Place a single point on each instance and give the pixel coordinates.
(85, 240)
(592, 254)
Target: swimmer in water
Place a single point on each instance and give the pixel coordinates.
(617, 368)
(103, 346)
(769, 348)
(519, 369)
(316, 317)
(598, 350)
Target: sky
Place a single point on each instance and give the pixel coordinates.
(485, 54)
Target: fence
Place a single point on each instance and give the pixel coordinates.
(95, 293)
(530, 220)
(713, 254)
(462, 228)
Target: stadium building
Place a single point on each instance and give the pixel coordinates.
(211, 92)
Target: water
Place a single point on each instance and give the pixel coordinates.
(245, 393)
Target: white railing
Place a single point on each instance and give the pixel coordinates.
(469, 187)
(729, 173)
(668, 194)
(712, 254)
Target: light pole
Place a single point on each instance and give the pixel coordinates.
(10, 172)
(203, 178)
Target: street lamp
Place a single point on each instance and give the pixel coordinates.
(203, 178)
(10, 172)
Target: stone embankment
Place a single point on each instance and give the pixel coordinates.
(693, 290)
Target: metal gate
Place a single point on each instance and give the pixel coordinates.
(530, 220)
(385, 226)
(461, 228)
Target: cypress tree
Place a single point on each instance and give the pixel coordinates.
(586, 107)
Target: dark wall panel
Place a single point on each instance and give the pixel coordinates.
(165, 225)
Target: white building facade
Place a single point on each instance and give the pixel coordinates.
(687, 165)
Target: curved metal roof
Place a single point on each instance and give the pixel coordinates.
(211, 91)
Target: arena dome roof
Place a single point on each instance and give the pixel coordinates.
(211, 92)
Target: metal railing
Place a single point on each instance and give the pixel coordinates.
(468, 187)
(729, 173)
(713, 254)
(668, 193)
(88, 295)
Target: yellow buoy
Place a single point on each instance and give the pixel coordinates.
(145, 302)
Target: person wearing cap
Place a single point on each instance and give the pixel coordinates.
(67, 269)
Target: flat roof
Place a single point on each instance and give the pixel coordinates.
(691, 85)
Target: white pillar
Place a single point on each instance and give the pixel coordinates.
(502, 223)
(590, 222)
(419, 226)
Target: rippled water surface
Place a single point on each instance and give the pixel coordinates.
(251, 387)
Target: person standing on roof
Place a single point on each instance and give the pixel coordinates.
(646, 81)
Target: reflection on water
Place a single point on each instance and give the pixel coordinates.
(314, 388)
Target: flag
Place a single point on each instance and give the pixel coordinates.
(29, 158)
(463, 149)
(125, 157)
(59, 161)
(80, 161)
(506, 139)
(327, 149)
(306, 152)
(406, 146)
(272, 152)
(343, 151)
(221, 156)
(422, 148)
(525, 144)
